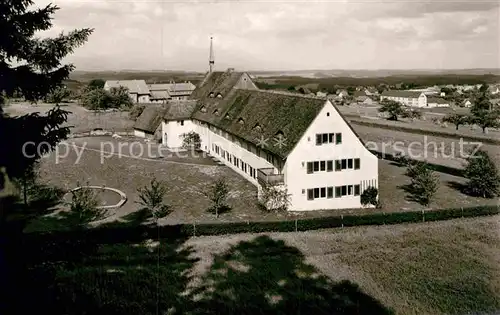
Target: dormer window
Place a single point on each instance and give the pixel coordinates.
(219, 95)
(216, 112)
(227, 116)
(241, 121)
(203, 109)
(257, 128)
(211, 95)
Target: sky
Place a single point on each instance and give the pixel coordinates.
(282, 35)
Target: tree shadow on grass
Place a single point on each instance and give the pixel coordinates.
(223, 209)
(43, 201)
(83, 275)
(265, 276)
(412, 194)
(461, 187)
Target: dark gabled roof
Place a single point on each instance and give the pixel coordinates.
(150, 119)
(179, 110)
(359, 93)
(437, 100)
(401, 93)
(273, 112)
(133, 86)
(216, 82)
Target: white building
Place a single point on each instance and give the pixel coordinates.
(437, 102)
(285, 140)
(137, 89)
(408, 98)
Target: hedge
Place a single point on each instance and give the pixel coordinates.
(122, 234)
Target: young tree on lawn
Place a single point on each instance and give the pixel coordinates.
(151, 197)
(424, 182)
(456, 119)
(274, 198)
(84, 207)
(424, 186)
(191, 140)
(482, 174)
(218, 193)
(393, 108)
(414, 168)
(31, 66)
(369, 196)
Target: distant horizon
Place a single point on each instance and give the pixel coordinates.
(289, 70)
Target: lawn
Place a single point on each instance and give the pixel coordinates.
(187, 182)
(449, 267)
(440, 149)
(79, 119)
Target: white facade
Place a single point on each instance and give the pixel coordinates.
(298, 181)
(172, 131)
(420, 101)
(246, 159)
(139, 133)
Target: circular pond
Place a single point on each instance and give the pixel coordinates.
(108, 198)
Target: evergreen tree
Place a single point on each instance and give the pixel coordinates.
(36, 73)
(482, 173)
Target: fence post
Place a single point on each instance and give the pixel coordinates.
(462, 212)
(295, 225)
(342, 219)
(194, 228)
(423, 216)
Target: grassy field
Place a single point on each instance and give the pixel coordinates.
(79, 119)
(449, 267)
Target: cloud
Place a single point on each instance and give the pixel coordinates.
(265, 34)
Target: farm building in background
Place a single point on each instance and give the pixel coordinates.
(160, 93)
(408, 98)
(437, 102)
(137, 89)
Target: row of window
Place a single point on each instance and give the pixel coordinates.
(235, 161)
(322, 166)
(246, 146)
(323, 138)
(333, 192)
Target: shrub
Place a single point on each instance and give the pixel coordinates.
(369, 196)
(274, 198)
(191, 140)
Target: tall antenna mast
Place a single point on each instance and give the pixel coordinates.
(211, 58)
